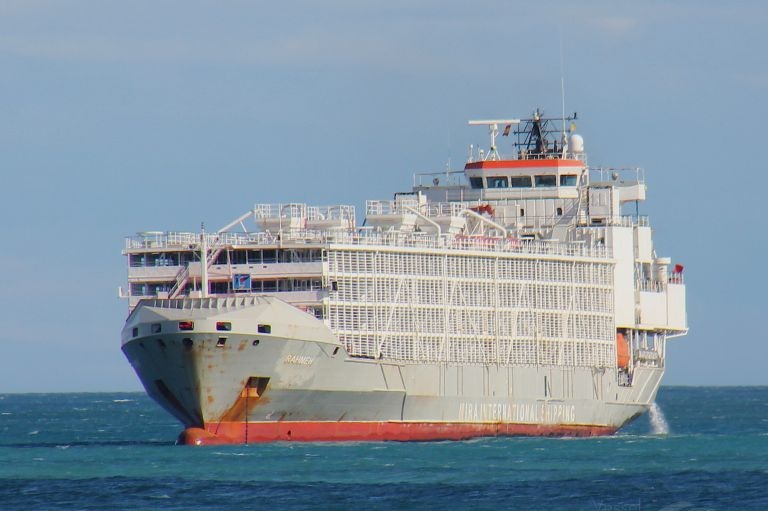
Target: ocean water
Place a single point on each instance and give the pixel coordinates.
(700, 448)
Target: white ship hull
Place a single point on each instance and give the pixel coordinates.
(309, 393)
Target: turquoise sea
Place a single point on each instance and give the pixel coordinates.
(116, 451)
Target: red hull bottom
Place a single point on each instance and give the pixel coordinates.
(246, 433)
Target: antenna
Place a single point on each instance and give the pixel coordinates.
(493, 131)
(562, 93)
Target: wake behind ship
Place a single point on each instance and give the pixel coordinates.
(516, 297)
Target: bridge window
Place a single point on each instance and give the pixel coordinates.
(136, 260)
(219, 288)
(545, 181)
(520, 182)
(167, 259)
(187, 257)
(139, 289)
(498, 182)
(568, 180)
(476, 182)
(237, 257)
(269, 256)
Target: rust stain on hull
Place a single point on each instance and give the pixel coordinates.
(248, 399)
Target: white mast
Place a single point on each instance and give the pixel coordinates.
(203, 262)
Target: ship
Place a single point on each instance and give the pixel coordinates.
(521, 295)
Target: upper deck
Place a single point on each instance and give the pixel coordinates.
(537, 201)
(174, 242)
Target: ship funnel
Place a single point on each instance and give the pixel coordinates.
(577, 144)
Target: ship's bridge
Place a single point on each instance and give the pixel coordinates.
(529, 178)
(540, 168)
(547, 162)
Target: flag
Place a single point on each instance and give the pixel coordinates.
(506, 130)
(241, 282)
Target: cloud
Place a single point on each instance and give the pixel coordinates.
(317, 48)
(614, 24)
(93, 48)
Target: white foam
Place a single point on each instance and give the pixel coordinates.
(659, 424)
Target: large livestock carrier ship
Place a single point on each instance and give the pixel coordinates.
(519, 296)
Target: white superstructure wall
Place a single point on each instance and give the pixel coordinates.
(472, 308)
(664, 309)
(621, 242)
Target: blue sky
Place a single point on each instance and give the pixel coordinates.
(117, 117)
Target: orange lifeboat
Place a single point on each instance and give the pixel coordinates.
(622, 351)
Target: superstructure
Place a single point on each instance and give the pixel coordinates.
(520, 296)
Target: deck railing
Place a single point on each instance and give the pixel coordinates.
(364, 237)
